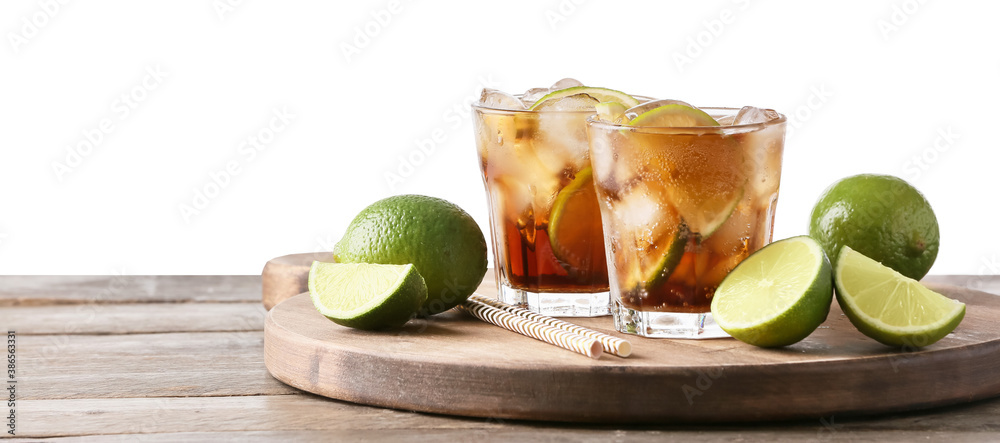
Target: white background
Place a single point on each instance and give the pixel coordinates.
(869, 85)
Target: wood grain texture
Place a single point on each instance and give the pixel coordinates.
(212, 386)
(287, 276)
(134, 318)
(554, 436)
(17, 290)
(984, 283)
(453, 364)
(144, 365)
(66, 417)
(289, 416)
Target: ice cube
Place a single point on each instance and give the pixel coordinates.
(639, 109)
(561, 141)
(640, 210)
(764, 149)
(578, 102)
(726, 120)
(493, 98)
(532, 95)
(750, 115)
(565, 83)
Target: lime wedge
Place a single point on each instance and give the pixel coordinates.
(655, 269)
(600, 94)
(650, 240)
(674, 116)
(777, 296)
(610, 111)
(894, 309)
(574, 238)
(366, 296)
(715, 212)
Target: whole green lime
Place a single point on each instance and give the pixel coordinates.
(437, 237)
(880, 216)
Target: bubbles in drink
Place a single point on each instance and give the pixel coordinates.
(683, 208)
(529, 159)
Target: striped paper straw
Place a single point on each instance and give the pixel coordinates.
(537, 330)
(612, 345)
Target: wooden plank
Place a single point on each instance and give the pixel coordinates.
(144, 365)
(451, 364)
(62, 417)
(985, 283)
(17, 290)
(550, 435)
(133, 318)
(309, 416)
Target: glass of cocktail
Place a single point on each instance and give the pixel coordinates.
(548, 242)
(685, 195)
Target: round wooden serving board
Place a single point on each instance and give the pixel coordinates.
(455, 364)
(287, 276)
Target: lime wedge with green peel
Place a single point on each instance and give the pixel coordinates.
(575, 238)
(440, 239)
(674, 116)
(600, 94)
(894, 309)
(610, 111)
(777, 296)
(655, 268)
(366, 296)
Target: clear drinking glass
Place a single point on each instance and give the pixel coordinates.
(545, 222)
(681, 207)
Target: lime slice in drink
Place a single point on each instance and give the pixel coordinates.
(714, 213)
(648, 237)
(703, 175)
(778, 295)
(610, 111)
(655, 268)
(600, 94)
(894, 309)
(674, 116)
(576, 240)
(366, 296)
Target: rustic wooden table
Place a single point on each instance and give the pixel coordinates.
(180, 358)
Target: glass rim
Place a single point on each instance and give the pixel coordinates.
(728, 129)
(480, 106)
